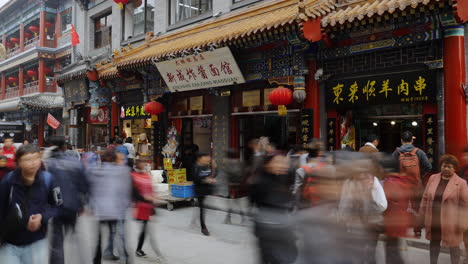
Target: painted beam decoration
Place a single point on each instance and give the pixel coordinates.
(409, 87)
(205, 70)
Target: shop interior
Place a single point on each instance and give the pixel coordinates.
(281, 130)
(140, 131)
(197, 131)
(390, 126)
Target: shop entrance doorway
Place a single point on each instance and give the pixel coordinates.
(389, 129)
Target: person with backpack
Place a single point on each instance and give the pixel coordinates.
(29, 198)
(414, 164)
(70, 176)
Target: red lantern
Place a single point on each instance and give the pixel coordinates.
(14, 40)
(92, 75)
(47, 70)
(154, 108)
(13, 80)
(9, 44)
(121, 3)
(281, 97)
(27, 35)
(48, 25)
(34, 29)
(32, 74)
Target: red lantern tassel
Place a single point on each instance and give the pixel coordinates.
(282, 111)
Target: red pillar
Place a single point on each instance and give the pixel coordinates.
(41, 76)
(21, 37)
(21, 80)
(42, 33)
(40, 130)
(454, 96)
(115, 116)
(313, 97)
(58, 28)
(3, 86)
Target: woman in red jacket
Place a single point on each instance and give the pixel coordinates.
(144, 206)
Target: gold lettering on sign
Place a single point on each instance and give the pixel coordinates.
(196, 103)
(251, 98)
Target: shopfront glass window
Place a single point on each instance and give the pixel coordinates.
(66, 20)
(181, 10)
(143, 17)
(103, 31)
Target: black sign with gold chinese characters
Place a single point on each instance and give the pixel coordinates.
(430, 130)
(408, 87)
(307, 128)
(134, 112)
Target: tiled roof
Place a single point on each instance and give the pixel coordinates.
(240, 24)
(370, 8)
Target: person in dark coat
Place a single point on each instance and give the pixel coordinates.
(273, 226)
(204, 180)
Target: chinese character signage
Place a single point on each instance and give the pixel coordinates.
(251, 98)
(409, 87)
(134, 112)
(331, 134)
(207, 69)
(430, 143)
(75, 91)
(306, 125)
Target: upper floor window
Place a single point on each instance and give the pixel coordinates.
(181, 10)
(103, 31)
(143, 17)
(66, 20)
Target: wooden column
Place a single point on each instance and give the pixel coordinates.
(41, 76)
(21, 37)
(3, 86)
(454, 96)
(21, 80)
(42, 33)
(312, 100)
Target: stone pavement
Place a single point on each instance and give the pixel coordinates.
(182, 243)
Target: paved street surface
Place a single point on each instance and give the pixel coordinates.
(182, 243)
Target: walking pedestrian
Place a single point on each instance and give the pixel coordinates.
(204, 181)
(131, 151)
(463, 173)
(9, 151)
(144, 205)
(120, 148)
(371, 144)
(444, 209)
(29, 198)
(110, 197)
(414, 164)
(69, 176)
(361, 208)
(91, 158)
(397, 219)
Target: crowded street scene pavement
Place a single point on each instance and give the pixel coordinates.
(233, 131)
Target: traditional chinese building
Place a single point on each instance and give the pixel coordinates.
(390, 66)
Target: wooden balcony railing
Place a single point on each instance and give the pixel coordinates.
(34, 42)
(32, 87)
(11, 92)
(13, 51)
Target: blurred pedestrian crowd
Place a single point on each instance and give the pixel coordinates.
(307, 205)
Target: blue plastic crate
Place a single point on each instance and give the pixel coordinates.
(183, 191)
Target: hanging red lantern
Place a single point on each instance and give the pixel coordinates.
(13, 80)
(154, 108)
(9, 44)
(32, 74)
(27, 35)
(47, 70)
(34, 30)
(48, 25)
(14, 40)
(121, 3)
(281, 97)
(92, 75)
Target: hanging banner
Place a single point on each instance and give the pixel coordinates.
(207, 69)
(52, 122)
(408, 87)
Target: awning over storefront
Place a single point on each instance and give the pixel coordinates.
(43, 101)
(108, 72)
(77, 72)
(239, 25)
(370, 8)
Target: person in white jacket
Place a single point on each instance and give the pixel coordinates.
(361, 208)
(131, 151)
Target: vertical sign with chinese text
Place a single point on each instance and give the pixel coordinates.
(430, 126)
(207, 69)
(307, 129)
